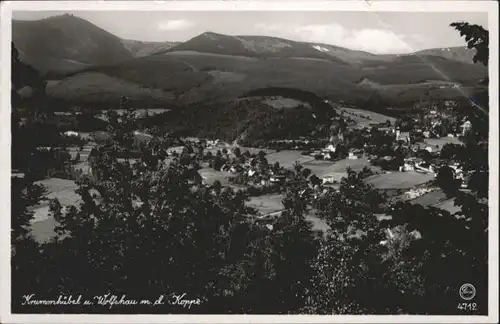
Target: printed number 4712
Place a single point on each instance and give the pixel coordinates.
(467, 306)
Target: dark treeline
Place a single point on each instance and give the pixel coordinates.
(245, 119)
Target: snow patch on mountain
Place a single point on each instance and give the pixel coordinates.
(321, 48)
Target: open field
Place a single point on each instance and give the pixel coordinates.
(319, 167)
(413, 92)
(267, 204)
(210, 175)
(287, 158)
(360, 121)
(61, 189)
(281, 102)
(437, 199)
(442, 141)
(54, 185)
(324, 168)
(44, 230)
(398, 180)
(254, 150)
(42, 224)
(272, 203)
(449, 206)
(355, 165)
(430, 199)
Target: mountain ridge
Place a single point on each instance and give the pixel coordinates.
(212, 65)
(29, 34)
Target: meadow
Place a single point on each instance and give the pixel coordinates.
(365, 117)
(449, 206)
(398, 180)
(210, 175)
(267, 204)
(440, 142)
(430, 199)
(287, 158)
(339, 168)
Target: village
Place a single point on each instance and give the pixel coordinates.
(401, 157)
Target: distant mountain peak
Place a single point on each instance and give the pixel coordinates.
(212, 35)
(65, 43)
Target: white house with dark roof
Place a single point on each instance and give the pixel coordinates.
(355, 154)
(466, 127)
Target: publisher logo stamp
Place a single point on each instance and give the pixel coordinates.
(467, 291)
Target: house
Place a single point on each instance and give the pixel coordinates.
(71, 133)
(329, 179)
(82, 153)
(355, 154)
(213, 143)
(409, 165)
(416, 192)
(235, 168)
(459, 174)
(277, 179)
(398, 133)
(175, 149)
(331, 148)
(17, 174)
(425, 168)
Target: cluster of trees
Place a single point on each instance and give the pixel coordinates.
(238, 158)
(248, 120)
(300, 144)
(37, 141)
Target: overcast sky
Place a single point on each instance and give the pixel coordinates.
(387, 32)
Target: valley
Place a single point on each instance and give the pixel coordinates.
(259, 174)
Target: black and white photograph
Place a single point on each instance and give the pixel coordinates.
(267, 158)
